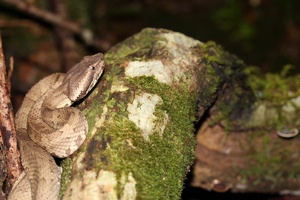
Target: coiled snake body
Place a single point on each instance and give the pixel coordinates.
(46, 124)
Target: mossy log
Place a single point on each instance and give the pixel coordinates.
(239, 146)
(158, 87)
(141, 118)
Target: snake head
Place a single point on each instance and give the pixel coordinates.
(81, 78)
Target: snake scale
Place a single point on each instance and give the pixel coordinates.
(46, 124)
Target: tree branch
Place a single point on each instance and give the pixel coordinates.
(8, 131)
(57, 20)
(44, 15)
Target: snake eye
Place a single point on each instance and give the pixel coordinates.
(93, 67)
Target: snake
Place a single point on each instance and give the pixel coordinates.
(48, 126)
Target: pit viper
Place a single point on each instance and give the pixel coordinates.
(47, 126)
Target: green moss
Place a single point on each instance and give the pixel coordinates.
(158, 165)
(264, 163)
(174, 149)
(136, 47)
(222, 67)
(275, 88)
(111, 103)
(275, 91)
(267, 166)
(65, 176)
(213, 79)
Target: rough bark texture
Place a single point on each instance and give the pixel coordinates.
(8, 138)
(157, 87)
(3, 171)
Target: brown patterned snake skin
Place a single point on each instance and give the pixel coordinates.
(46, 124)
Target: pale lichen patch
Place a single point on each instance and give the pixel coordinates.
(129, 190)
(175, 47)
(118, 86)
(93, 186)
(180, 39)
(161, 123)
(99, 120)
(262, 115)
(182, 54)
(141, 112)
(149, 68)
(79, 161)
(292, 105)
(107, 184)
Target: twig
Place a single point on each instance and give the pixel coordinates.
(56, 20)
(9, 23)
(8, 131)
(9, 74)
(44, 15)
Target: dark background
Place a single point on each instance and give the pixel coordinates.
(264, 33)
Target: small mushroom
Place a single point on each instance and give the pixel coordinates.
(285, 133)
(219, 186)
